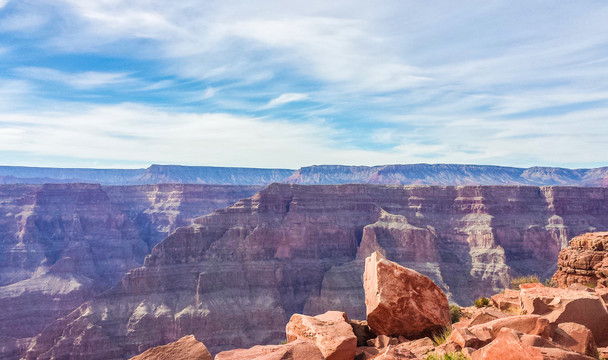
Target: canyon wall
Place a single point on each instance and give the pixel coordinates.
(62, 244)
(234, 277)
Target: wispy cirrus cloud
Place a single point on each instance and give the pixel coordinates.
(285, 99)
(497, 81)
(78, 80)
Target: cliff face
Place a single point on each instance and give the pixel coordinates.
(234, 277)
(61, 244)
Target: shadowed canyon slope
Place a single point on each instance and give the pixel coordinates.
(62, 244)
(423, 174)
(234, 277)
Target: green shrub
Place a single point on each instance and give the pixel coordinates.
(455, 313)
(442, 337)
(482, 302)
(523, 280)
(450, 356)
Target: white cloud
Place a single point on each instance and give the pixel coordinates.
(286, 98)
(3, 3)
(131, 133)
(79, 80)
(473, 82)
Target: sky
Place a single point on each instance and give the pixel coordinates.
(285, 84)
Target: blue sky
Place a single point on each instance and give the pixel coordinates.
(110, 83)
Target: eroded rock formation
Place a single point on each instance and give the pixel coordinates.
(235, 276)
(62, 244)
(584, 261)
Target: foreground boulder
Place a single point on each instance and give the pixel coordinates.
(507, 346)
(575, 337)
(330, 332)
(296, 350)
(186, 348)
(401, 301)
(584, 261)
(567, 305)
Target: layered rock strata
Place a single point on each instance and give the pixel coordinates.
(62, 244)
(235, 277)
(584, 261)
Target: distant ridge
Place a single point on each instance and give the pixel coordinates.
(423, 174)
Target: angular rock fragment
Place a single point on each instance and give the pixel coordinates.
(186, 348)
(565, 305)
(330, 332)
(575, 337)
(401, 301)
(295, 350)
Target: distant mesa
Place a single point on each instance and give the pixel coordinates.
(410, 174)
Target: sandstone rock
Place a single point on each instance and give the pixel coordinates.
(418, 347)
(361, 331)
(401, 301)
(295, 350)
(507, 346)
(330, 332)
(396, 352)
(537, 341)
(465, 338)
(382, 341)
(527, 324)
(561, 354)
(447, 348)
(564, 305)
(603, 353)
(507, 301)
(186, 348)
(575, 337)
(584, 261)
(603, 294)
(483, 316)
(366, 352)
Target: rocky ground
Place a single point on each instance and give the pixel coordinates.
(408, 317)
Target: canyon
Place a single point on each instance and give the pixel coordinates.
(404, 174)
(63, 244)
(234, 277)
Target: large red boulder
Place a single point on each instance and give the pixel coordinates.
(401, 301)
(330, 332)
(296, 350)
(186, 348)
(567, 305)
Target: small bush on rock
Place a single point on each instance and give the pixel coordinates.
(523, 280)
(455, 313)
(442, 337)
(450, 356)
(482, 302)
